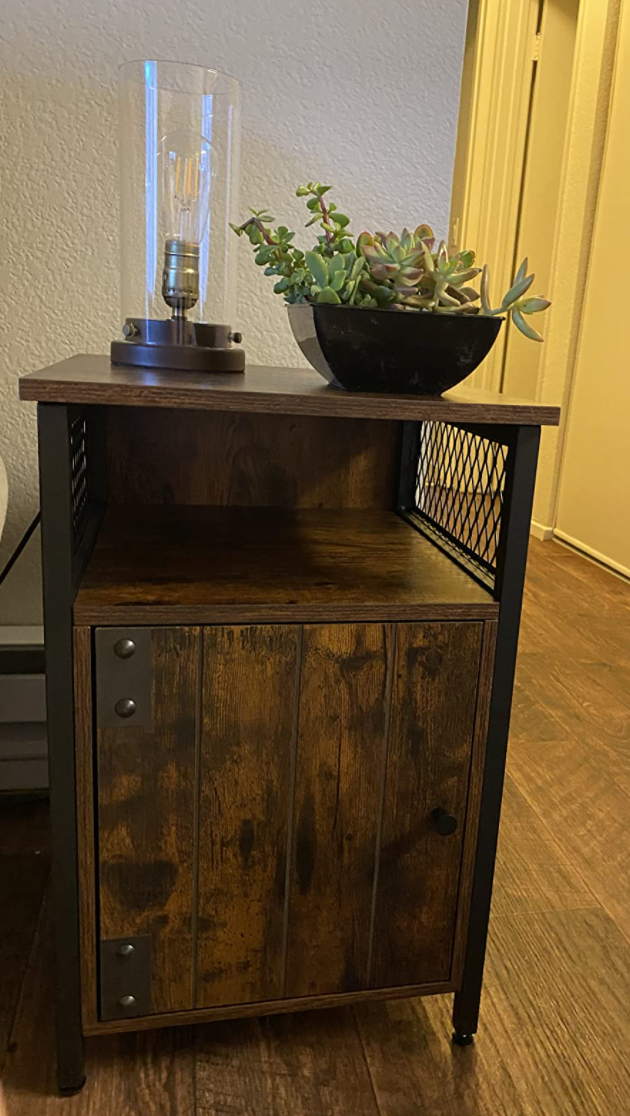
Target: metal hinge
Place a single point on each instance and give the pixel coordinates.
(537, 47)
(124, 678)
(126, 977)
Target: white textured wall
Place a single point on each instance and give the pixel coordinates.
(363, 94)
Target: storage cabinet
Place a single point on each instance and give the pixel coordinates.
(281, 627)
(269, 825)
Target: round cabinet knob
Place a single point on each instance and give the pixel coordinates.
(443, 822)
(124, 648)
(126, 1001)
(126, 950)
(126, 707)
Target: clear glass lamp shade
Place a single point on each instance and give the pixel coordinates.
(179, 152)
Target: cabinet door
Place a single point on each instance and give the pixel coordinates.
(247, 747)
(430, 741)
(265, 815)
(145, 771)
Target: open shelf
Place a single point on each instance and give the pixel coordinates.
(201, 565)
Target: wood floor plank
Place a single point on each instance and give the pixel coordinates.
(22, 884)
(583, 712)
(573, 794)
(24, 827)
(553, 1017)
(576, 567)
(533, 871)
(311, 1064)
(146, 1074)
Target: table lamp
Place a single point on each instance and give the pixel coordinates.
(179, 148)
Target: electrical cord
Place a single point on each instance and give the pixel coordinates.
(19, 548)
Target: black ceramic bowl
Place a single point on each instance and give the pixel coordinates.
(361, 349)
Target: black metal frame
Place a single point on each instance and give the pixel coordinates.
(506, 582)
(454, 490)
(72, 493)
(67, 540)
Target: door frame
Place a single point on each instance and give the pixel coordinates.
(500, 42)
(491, 139)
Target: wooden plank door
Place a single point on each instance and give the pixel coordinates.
(145, 771)
(247, 749)
(344, 697)
(430, 743)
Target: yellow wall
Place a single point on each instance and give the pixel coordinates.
(586, 134)
(542, 179)
(594, 499)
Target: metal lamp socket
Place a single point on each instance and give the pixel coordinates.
(180, 277)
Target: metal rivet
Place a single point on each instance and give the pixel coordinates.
(126, 1001)
(126, 707)
(124, 648)
(236, 337)
(126, 950)
(129, 329)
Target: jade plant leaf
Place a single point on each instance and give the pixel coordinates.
(328, 295)
(318, 268)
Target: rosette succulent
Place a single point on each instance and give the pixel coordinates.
(383, 270)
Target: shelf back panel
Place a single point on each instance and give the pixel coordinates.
(158, 456)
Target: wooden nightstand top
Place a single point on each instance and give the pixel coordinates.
(291, 391)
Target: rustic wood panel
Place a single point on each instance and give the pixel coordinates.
(248, 742)
(268, 1007)
(475, 791)
(92, 379)
(240, 565)
(250, 460)
(430, 741)
(146, 811)
(84, 768)
(344, 699)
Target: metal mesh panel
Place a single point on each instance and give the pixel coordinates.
(79, 475)
(459, 490)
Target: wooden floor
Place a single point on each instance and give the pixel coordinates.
(555, 1027)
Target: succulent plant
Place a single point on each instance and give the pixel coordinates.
(382, 270)
(406, 273)
(515, 303)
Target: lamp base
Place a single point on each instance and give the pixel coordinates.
(179, 344)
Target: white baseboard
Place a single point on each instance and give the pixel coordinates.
(539, 531)
(23, 746)
(595, 555)
(13, 634)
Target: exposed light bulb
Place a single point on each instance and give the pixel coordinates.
(186, 176)
(185, 159)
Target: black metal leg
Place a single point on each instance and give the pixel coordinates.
(462, 1039)
(57, 560)
(512, 559)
